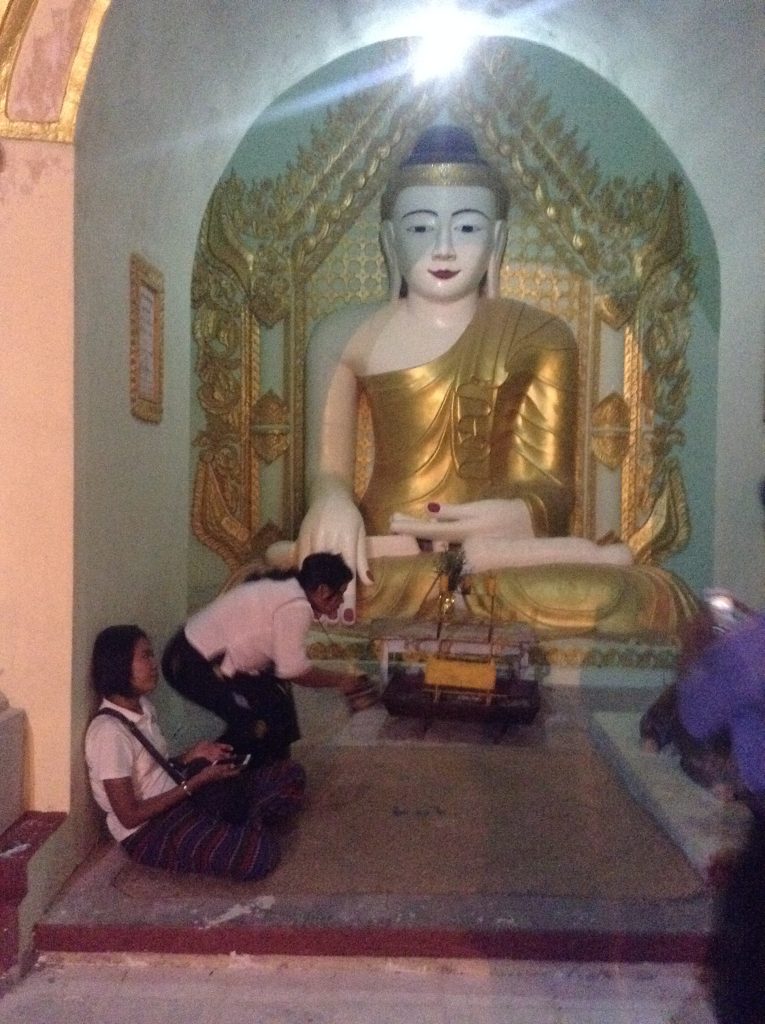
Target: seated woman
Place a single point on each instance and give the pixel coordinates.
(158, 820)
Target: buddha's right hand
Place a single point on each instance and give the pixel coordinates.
(334, 524)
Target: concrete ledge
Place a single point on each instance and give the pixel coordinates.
(11, 762)
(18, 845)
(703, 826)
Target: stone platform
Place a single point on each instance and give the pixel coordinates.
(91, 915)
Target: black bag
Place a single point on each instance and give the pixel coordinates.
(227, 799)
(268, 725)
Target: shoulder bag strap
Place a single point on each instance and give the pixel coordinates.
(172, 771)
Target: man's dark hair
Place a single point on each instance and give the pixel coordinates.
(323, 567)
(111, 666)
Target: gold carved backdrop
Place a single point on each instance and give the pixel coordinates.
(609, 257)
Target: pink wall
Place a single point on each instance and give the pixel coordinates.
(36, 464)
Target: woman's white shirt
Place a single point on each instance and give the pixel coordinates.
(113, 752)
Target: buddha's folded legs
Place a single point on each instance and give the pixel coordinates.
(605, 600)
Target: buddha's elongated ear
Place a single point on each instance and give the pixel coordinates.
(495, 260)
(388, 244)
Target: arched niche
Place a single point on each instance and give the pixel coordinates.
(604, 231)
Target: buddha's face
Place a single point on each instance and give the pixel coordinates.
(444, 237)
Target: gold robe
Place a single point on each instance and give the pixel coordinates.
(495, 417)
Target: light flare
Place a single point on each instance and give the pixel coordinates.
(444, 44)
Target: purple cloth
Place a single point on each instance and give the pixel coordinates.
(724, 689)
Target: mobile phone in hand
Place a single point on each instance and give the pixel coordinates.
(238, 760)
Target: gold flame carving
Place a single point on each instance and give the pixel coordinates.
(611, 430)
(270, 427)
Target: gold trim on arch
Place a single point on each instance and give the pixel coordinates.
(15, 18)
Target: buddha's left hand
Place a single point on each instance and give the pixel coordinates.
(491, 517)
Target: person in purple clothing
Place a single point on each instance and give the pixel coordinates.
(721, 690)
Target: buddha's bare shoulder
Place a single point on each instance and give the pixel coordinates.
(347, 320)
(347, 334)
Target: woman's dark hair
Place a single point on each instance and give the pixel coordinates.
(111, 666)
(323, 567)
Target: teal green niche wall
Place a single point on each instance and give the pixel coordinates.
(624, 145)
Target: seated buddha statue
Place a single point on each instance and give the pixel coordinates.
(472, 401)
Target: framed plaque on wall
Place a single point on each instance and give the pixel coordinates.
(146, 339)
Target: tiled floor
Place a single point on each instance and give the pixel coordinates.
(235, 990)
